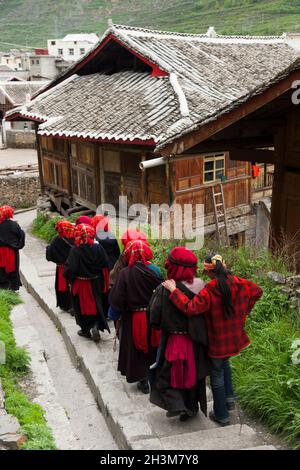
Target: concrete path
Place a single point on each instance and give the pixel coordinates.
(56, 384)
(132, 420)
(16, 157)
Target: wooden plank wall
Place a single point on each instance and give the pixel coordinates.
(189, 186)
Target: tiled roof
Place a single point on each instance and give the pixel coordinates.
(18, 91)
(206, 75)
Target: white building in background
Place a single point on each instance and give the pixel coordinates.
(73, 46)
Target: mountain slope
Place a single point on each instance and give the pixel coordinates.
(32, 22)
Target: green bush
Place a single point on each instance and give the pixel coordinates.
(30, 415)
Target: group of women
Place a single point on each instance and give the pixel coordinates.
(173, 333)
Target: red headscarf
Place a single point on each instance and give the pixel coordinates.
(83, 219)
(65, 229)
(131, 235)
(137, 250)
(181, 264)
(100, 222)
(84, 235)
(6, 212)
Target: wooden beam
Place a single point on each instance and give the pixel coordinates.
(228, 144)
(205, 131)
(253, 155)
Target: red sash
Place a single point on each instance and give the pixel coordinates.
(140, 333)
(62, 284)
(83, 288)
(180, 353)
(7, 259)
(105, 272)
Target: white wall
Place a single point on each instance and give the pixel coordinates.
(65, 46)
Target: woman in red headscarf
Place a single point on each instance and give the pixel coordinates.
(87, 271)
(12, 239)
(178, 377)
(106, 239)
(58, 252)
(127, 237)
(131, 295)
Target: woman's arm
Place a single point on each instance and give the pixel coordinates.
(200, 304)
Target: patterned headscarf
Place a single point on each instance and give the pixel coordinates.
(100, 222)
(65, 229)
(212, 266)
(181, 264)
(138, 250)
(84, 235)
(131, 235)
(83, 219)
(6, 212)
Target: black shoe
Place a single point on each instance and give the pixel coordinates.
(221, 423)
(84, 335)
(172, 414)
(95, 334)
(184, 416)
(143, 386)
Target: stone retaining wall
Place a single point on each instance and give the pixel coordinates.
(20, 139)
(20, 190)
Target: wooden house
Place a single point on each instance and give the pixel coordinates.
(135, 97)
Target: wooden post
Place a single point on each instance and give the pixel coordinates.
(70, 186)
(144, 181)
(40, 163)
(101, 175)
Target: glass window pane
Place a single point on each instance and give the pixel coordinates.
(219, 174)
(219, 164)
(209, 166)
(209, 176)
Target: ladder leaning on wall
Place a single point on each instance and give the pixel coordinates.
(220, 214)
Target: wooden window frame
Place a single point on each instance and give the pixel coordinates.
(213, 158)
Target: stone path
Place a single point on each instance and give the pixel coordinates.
(10, 158)
(132, 420)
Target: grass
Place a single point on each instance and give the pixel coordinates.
(266, 380)
(32, 22)
(30, 415)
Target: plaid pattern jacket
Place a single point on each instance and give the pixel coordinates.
(226, 337)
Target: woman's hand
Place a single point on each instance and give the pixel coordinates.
(169, 285)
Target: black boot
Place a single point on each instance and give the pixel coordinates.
(143, 386)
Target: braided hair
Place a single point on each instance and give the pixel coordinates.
(223, 275)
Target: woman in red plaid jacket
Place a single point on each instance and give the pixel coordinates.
(226, 301)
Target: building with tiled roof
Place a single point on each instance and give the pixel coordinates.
(139, 92)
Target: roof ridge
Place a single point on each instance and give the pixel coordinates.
(194, 35)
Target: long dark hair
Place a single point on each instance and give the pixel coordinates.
(223, 275)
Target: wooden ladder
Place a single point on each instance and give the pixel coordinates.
(220, 213)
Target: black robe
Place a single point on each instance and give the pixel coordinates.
(58, 252)
(164, 315)
(11, 235)
(133, 290)
(110, 245)
(88, 262)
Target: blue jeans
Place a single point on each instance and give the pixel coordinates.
(222, 388)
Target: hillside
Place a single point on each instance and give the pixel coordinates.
(32, 22)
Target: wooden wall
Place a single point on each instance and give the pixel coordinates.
(189, 185)
(90, 174)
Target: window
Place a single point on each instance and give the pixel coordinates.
(53, 43)
(60, 51)
(32, 62)
(71, 51)
(214, 168)
(37, 62)
(82, 51)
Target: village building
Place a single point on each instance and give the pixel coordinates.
(73, 46)
(140, 95)
(13, 93)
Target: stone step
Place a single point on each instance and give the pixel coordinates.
(266, 447)
(27, 337)
(232, 437)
